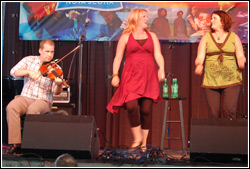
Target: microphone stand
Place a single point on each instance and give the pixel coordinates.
(81, 39)
(170, 74)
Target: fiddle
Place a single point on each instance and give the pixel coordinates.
(51, 70)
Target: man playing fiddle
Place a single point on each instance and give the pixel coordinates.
(37, 92)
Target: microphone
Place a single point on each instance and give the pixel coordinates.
(87, 21)
(83, 36)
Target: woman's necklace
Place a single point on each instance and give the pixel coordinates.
(220, 36)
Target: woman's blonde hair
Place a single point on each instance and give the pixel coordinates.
(134, 18)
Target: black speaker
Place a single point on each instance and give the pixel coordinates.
(64, 108)
(219, 140)
(53, 135)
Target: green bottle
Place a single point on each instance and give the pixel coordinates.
(165, 89)
(174, 88)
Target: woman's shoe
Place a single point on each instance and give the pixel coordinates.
(14, 150)
(135, 146)
(144, 149)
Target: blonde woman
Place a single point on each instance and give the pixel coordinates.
(139, 84)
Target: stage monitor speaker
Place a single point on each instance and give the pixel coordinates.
(53, 135)
(64, 108)
(219, 140)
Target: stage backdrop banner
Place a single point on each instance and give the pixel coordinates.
(101, 21)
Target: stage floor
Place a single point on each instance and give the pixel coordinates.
(117, 157)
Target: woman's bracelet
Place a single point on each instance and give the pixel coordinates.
(116, 74)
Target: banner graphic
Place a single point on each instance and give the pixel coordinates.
(178, 22)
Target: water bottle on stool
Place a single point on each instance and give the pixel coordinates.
(165, 89)
(174, 88)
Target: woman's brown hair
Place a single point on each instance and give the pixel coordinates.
(225, 18)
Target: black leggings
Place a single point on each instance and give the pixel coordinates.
(144, 117)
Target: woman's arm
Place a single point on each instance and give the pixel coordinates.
(239, 52)
(118, 59)
(200, 56)
(158, 57)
